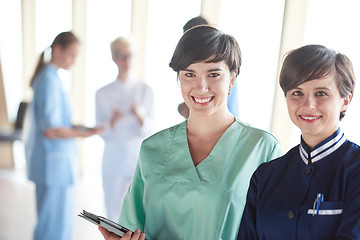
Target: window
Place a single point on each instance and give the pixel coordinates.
(334, 24)
(165, 22)
(257, 27)
(11, 54)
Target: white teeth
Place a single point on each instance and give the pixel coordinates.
(309, 118)
(202, 100)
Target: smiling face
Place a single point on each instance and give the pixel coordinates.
(315, 107)
(205, 87)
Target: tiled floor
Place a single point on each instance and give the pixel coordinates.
(17, 195)
(17, 206)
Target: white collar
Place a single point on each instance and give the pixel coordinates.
(323, 149)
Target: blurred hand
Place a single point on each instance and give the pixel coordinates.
(117, 114)
(137, 235)
(138, 111)
(87, 132)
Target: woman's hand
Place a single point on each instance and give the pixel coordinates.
(117, 114)
(137, 235)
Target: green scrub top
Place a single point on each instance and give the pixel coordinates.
(171, 198)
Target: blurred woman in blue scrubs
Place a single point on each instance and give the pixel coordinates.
(50, 142)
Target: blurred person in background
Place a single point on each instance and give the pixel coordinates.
(125, 108)
(50, 145)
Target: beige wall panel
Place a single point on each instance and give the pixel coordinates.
(292, 37)
(210, 10)
(4, 119)
(30, 57)
(139, 30)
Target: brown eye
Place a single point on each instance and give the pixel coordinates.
(321, 94)
(214, 75)
(189, 75)
(297, 93)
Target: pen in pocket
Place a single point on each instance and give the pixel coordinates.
(318, 200)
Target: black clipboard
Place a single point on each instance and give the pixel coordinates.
(105, 223)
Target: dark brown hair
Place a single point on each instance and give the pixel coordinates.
(315, 62)
(196, 21)
(64, 39)
(202, 43)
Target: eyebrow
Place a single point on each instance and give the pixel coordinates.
(318, 88)
(210, 70)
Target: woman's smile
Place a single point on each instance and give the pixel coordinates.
(309, 118)
(202, 100)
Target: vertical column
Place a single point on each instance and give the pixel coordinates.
(6, 159)
(210, 10)
(28, 41)
(4, 120)
(292, 37)
(139, 30)
(78, 70)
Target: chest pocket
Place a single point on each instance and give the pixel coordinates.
(328, 218)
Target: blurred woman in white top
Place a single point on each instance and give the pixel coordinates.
(125, 108)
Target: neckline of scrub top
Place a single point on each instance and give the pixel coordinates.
(180, 165)
(323, 149)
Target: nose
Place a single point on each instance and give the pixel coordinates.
(309, 102)
(202, 84)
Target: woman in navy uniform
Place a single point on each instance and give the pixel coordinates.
(313, 191)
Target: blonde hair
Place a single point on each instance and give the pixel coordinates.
(128, 41)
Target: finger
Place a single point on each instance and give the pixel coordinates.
(136, 235)
(142, 236)
(108, 235)
(127, 236)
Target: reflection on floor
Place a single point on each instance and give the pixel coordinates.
(17, 205)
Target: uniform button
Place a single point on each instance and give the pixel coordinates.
(291, 214)
(307, 171)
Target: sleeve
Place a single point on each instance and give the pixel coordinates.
(247, 228)
(101, 114)
(148, 105)
(50, 103)
(349, 227)
(99, 109)
(276, 152)
(133, 214)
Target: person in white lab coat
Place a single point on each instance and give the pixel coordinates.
(125, 108)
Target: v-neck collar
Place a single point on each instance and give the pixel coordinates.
(323, 149)
(180, 165)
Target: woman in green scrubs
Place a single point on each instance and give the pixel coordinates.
(192, 178)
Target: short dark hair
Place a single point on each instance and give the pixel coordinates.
(206, 43)
(196, 21)
(315, 62)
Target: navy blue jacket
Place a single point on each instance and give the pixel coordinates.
(281, 196)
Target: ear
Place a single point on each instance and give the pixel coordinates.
(233, 78)
(346, 102)
(56, 48)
